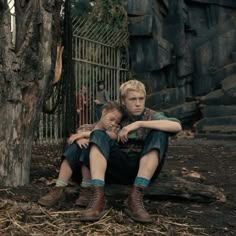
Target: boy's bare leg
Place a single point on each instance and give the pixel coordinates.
(85, 172)
(57, 194)
(85, 188)
(98, 163)
(65, 171)
(148, 164)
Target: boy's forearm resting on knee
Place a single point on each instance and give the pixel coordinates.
(80, 135)
(163, 125)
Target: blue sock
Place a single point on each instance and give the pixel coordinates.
(97, 182)
(140, 181)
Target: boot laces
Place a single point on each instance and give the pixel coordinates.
(139, 199)
(85, 191)
(93, 200)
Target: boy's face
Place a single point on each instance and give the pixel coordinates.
(101, 86)
(84, 89)
(110, 119)
(134, 103)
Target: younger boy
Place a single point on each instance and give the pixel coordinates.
(75, 153)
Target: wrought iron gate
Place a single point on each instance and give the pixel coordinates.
(99, 53)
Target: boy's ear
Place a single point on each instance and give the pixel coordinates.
(104, 111)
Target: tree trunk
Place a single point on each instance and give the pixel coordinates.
(25, 71)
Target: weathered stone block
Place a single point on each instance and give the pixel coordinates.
(139, 7)
(141, 25)
(225, 125)
(185, 112)
(165, 3)
(229, 85)
(154, 81)
(161, 7)
(165, 99)
(215, 111)
(233, 56)
(224, 72)
(226, 3)
(173, 28)
(184, 65)
(202, 84)
(218, 97)
(149, 54)
(203, 60)
(224, 45)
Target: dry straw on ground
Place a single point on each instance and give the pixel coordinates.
(20, 218)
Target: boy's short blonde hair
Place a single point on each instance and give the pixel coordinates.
(132, 85)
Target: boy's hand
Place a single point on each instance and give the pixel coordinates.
(123, 134)
(71, 139)
(97, 101)
(83, 143)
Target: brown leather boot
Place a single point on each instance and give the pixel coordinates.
(84, 197)
(56, 195)
(95, 209)
(135, 208)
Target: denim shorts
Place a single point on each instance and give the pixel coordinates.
(122, 168)
(75, 157)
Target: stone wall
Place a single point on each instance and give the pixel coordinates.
(185, 52)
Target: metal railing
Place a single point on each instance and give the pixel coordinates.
(99, 53)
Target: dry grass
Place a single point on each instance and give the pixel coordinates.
(20, 214)
(20, 218)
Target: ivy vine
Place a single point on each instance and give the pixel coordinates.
(109, 12)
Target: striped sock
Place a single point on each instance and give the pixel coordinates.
(140, 181)
(97, 182)
(86, 183)
(61, 183)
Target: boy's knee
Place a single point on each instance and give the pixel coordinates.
(157, 137)
(99, 137)
(159, 134)
(98, 133)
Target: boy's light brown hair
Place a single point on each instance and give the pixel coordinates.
(112, 105)
(131, 85)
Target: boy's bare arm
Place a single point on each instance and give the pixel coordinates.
(78, 135)
(163, 125)
(112, 135)
(86, 134)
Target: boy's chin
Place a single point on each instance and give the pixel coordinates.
(137, 113)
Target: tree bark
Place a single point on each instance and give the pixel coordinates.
(25, 71)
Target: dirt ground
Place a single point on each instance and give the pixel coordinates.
(212, 161)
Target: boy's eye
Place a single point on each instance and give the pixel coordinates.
(134, 99)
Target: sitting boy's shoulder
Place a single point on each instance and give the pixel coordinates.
(86, 127)
(149, 113)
